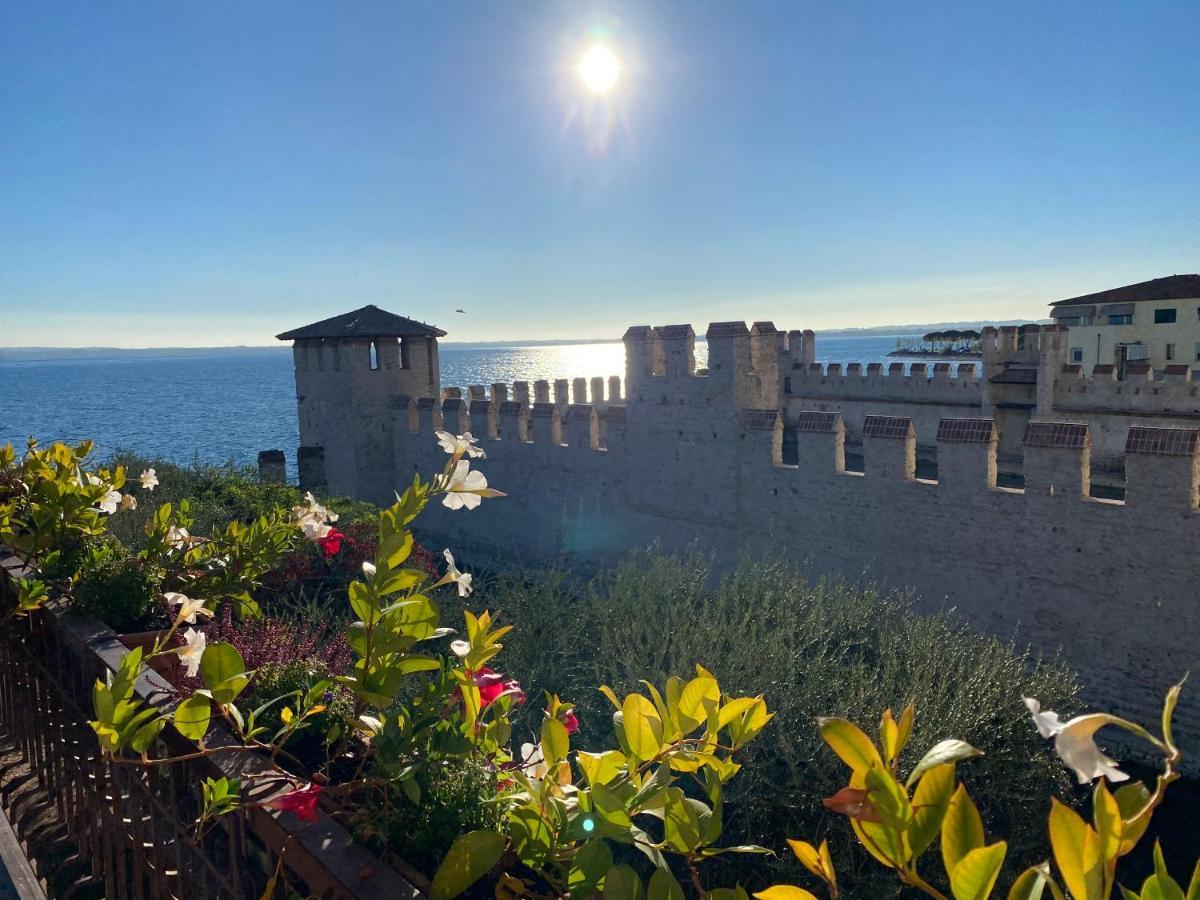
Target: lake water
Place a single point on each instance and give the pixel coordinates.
(228, 406)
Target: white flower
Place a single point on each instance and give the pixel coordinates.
(462, 579)
(1075, 742)
(128, 501)
(188, 607)
(533, 763)
(110, 502)
(149, 479)
(466, 487)
(178, 538)
(93, 480)
(191, 652)
(460, 648)
(457, 446)
(368, 569)
(312, 519)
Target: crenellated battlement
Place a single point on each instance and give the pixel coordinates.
(749, 453)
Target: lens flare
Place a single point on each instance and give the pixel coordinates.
(599, 69)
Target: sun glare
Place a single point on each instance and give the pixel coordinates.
(598, 69)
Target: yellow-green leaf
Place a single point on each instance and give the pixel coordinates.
(192, 716)
(850, 744)
(643, 727)
(808, 856)
(1131, 800)
(1030, 885)
(962, 830)
(600, 768)
(1076, 852)
(975, 875)
(555, 741)
(1106, 816)
(470, 857)
(785, 892)
(699, 696)
(930, 802)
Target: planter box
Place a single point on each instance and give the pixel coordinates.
(131, 824)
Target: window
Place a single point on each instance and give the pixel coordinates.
(1121, 320)
(1170, 351)
(1076, 354)
(1164, 317)
(1198, 353)
(374, 356)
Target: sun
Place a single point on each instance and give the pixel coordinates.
(598, 69)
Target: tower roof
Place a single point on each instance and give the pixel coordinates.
(1172, 287)
(370, 321)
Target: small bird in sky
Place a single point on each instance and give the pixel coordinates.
(461, 311)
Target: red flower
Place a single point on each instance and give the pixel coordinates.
(571, 722)
(302, 802)
(492, 684)
(331, 544)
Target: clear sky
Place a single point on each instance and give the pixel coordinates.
(212, 173)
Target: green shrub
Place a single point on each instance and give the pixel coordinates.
(276, 679)
(122, 592)
(455, 797)
(829, 648)
(218, 494)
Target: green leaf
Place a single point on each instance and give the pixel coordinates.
(1167, 885)
(939, 754)
(622, 883)
(1131, 800)
(1106, 818)
(470, 857)
(600, 768)
(192, 716)
(555, 742)
(146, 735)
(1169, 711)
(364, 606)
(663, 886)
(850, 744)
(962, 830)
(930, 802)
(1193, 891)
(643, 727)
(589, 867)
(975, 874)
(681, 825)
(220, 662)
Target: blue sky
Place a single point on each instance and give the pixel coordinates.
(212, 173)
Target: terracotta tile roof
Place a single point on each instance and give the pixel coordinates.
(812, 422)
(580, 412)
(1059, 435)
(890, 427)
(480, 407)
(512, 408)
(426, 403)
(1172, 287)
(370, 321)
(1145, 440)
(615, 414)
(1015, 376)
(544, 410)
(637, 333)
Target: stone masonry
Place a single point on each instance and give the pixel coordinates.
(687, 458)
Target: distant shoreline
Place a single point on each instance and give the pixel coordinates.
(47, 354)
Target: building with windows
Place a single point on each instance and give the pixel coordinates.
(1155, 322)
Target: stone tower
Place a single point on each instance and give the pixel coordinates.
(354, 372)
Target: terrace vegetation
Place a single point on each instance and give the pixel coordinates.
(652, 728)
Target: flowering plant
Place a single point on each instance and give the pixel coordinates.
(898, 820)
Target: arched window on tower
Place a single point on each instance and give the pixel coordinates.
(374, 355)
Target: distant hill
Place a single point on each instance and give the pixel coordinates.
(33, 354)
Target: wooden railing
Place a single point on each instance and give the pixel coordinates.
(101, 828)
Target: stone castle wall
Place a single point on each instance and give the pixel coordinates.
(689, 458)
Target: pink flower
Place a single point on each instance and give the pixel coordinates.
(571, 722)
(331, 544)
(492, 684)
(302, 802)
